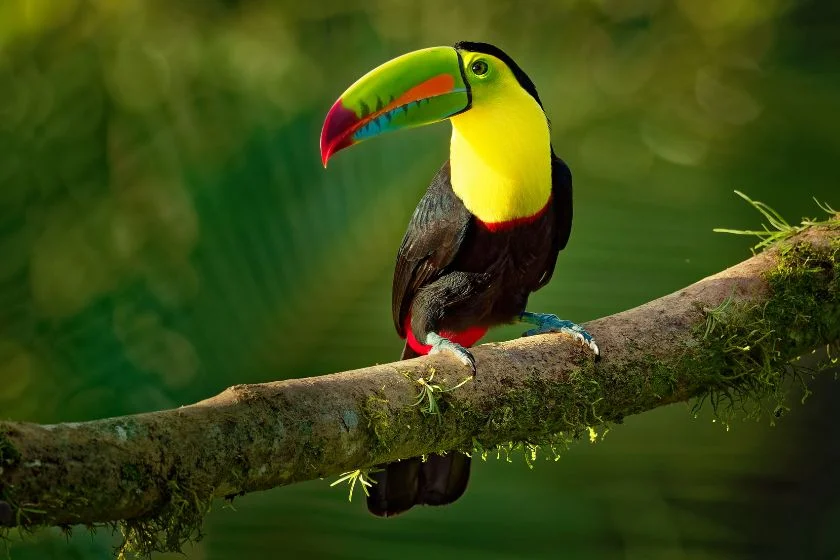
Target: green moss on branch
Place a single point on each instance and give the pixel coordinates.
(745, 349)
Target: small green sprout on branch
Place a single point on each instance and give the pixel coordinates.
(717, 315)
(427, 394)
(362, 476)
(778, 228)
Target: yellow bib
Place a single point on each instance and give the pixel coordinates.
(500, 157)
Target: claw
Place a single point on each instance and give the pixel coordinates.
(546, 323)
(442, 345)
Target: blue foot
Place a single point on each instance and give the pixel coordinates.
(444, 345)
(547, 323)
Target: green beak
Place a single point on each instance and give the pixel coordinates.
(415, 89)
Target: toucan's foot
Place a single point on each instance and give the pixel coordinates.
(442, 345)
(546, 323)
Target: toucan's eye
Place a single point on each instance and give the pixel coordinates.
(479, 68)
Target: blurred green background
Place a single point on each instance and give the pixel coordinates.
(167, 230)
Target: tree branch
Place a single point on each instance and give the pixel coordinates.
(730, 336)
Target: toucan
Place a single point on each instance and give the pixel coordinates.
(485, 235)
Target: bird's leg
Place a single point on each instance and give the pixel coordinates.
(440, 345)
(546, 323)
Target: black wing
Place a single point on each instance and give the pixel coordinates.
(430, 244)
(561, 196)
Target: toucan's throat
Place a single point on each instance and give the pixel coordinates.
(500, 158)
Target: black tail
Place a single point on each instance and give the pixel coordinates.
(437, 481)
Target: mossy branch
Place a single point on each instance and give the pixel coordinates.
(729, 339)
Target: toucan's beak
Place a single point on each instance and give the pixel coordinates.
(417, 88)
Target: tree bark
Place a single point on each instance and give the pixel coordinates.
(730, 336)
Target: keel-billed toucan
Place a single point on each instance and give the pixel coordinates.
(484, 236)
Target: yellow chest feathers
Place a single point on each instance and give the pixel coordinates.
(500, 157)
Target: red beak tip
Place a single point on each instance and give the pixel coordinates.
(336, 132)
